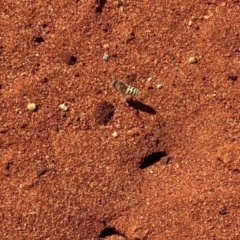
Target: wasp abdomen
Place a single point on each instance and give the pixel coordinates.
(132, 91)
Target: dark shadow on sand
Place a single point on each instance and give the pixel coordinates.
(136, 104)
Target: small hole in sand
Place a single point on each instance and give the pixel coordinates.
(103, 112)
(108, 231)
(38, 39)
(151, 159)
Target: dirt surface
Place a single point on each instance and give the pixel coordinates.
(82, 162)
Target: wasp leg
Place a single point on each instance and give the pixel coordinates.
(129, 102)
(125, 98)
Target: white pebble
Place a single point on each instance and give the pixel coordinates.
(63, 107)
(32, 107)
(192, 60)
(105, 57)
(115, 134)
(159, 86)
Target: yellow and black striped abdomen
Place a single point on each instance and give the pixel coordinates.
(124, 88)
(132, 91)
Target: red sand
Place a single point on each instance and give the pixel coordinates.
(172, 169)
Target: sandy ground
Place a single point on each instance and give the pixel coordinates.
(82, 161)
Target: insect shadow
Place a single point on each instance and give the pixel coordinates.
(136, 104)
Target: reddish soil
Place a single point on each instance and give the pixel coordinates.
(163, 166)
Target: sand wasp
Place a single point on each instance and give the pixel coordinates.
(124, 88)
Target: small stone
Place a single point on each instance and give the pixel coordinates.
(105, 46)
(115, 134)
(133, 132)
(32, 107)
(105, 57)
(208, 16)
(151, 171)
(192, 60)
(159, 85)
(165, 160)
(63, 107)
(139, 232)
(149, 78)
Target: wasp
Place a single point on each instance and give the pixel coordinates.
(124, 88)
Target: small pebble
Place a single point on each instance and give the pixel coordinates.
(105, 57)
(151, 171)
(149, 78)
(105, 46)
(63, 107)
(208, 16)
(192, 60)
(159, 86)
(32, 107)
(165, 160)
(133, 132)
(115, 134)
